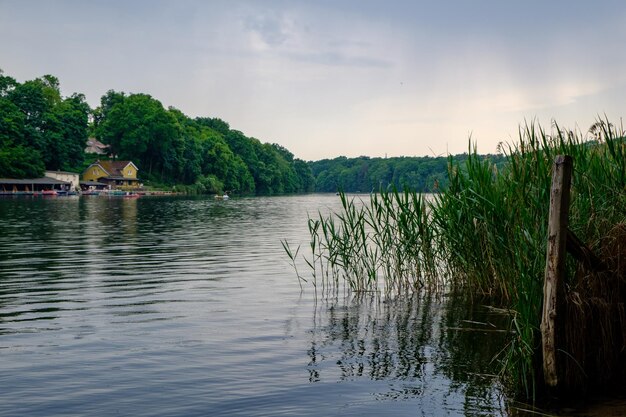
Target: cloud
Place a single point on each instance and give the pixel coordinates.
(340, 59)
(270, 29)
(328, 77)
(309, 37)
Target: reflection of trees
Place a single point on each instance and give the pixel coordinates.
(34, 254)
(415, 344)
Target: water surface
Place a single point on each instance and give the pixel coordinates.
(188, 306)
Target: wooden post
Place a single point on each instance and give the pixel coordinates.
(555, 264)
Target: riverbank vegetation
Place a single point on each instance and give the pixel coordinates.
(40, 129)
(364, 174)
(485, 233)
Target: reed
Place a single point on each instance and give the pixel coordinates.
(383, 243)
(484, 234)
(493, 225)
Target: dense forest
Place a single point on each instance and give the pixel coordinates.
(364, 174)
(41, 130)
(203, 154)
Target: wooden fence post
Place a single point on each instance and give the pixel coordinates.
(555, 264)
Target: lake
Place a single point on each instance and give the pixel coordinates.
(164, 306)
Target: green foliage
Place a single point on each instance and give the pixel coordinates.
(485, 233)
(382, 243)
(67, 127)
(493, 224)
(138, 128)
(364, 174)
(12, 122)
(38, 128)
(20, 162)
(202, 153)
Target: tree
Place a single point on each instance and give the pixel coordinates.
(11, 124)
(39, 129)
(30, 99)
(66, 133)
(37, 123)
(20, 162)
(303, 170)
(138, 128)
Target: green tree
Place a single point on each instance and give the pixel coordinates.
(66, 133)
(37, 123)
(20, 162)
(304, 172)
(11, 124)
(137, 127)
(31, 100)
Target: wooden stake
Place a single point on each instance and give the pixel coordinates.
(555, 264)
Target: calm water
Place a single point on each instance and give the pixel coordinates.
(179, 306)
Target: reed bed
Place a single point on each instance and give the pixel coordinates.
(381, 244)
(492, 227)
(486, 234)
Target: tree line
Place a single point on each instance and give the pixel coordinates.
(364, 174)
(198, 155)
(41, 130)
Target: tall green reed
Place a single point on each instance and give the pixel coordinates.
(381, 243)
(493, 225)
(484, 234)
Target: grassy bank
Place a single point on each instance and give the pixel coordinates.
(486, 234)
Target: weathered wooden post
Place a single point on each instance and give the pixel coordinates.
(555, 264)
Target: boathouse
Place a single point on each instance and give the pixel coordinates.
(66, 176)
(32, 186)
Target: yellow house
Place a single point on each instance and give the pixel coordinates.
(116, 174)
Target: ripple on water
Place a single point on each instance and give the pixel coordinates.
(182, 306)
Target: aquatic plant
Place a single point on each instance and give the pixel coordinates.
(384, 242)
(485, 233)
(504, 216)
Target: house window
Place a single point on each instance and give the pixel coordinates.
(95, 171)
(130, 172)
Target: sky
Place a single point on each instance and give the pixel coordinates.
(327, 78)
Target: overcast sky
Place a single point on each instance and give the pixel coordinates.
(326, 78)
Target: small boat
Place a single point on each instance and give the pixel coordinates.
(49, 192)
(222, 197)
(119, 193)
(113, 193)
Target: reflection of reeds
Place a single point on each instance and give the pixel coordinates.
(486, 233)
(420, 344)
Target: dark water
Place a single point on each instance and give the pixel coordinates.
(177, 306)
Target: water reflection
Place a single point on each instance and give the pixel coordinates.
(423, 347)
(189, 306)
